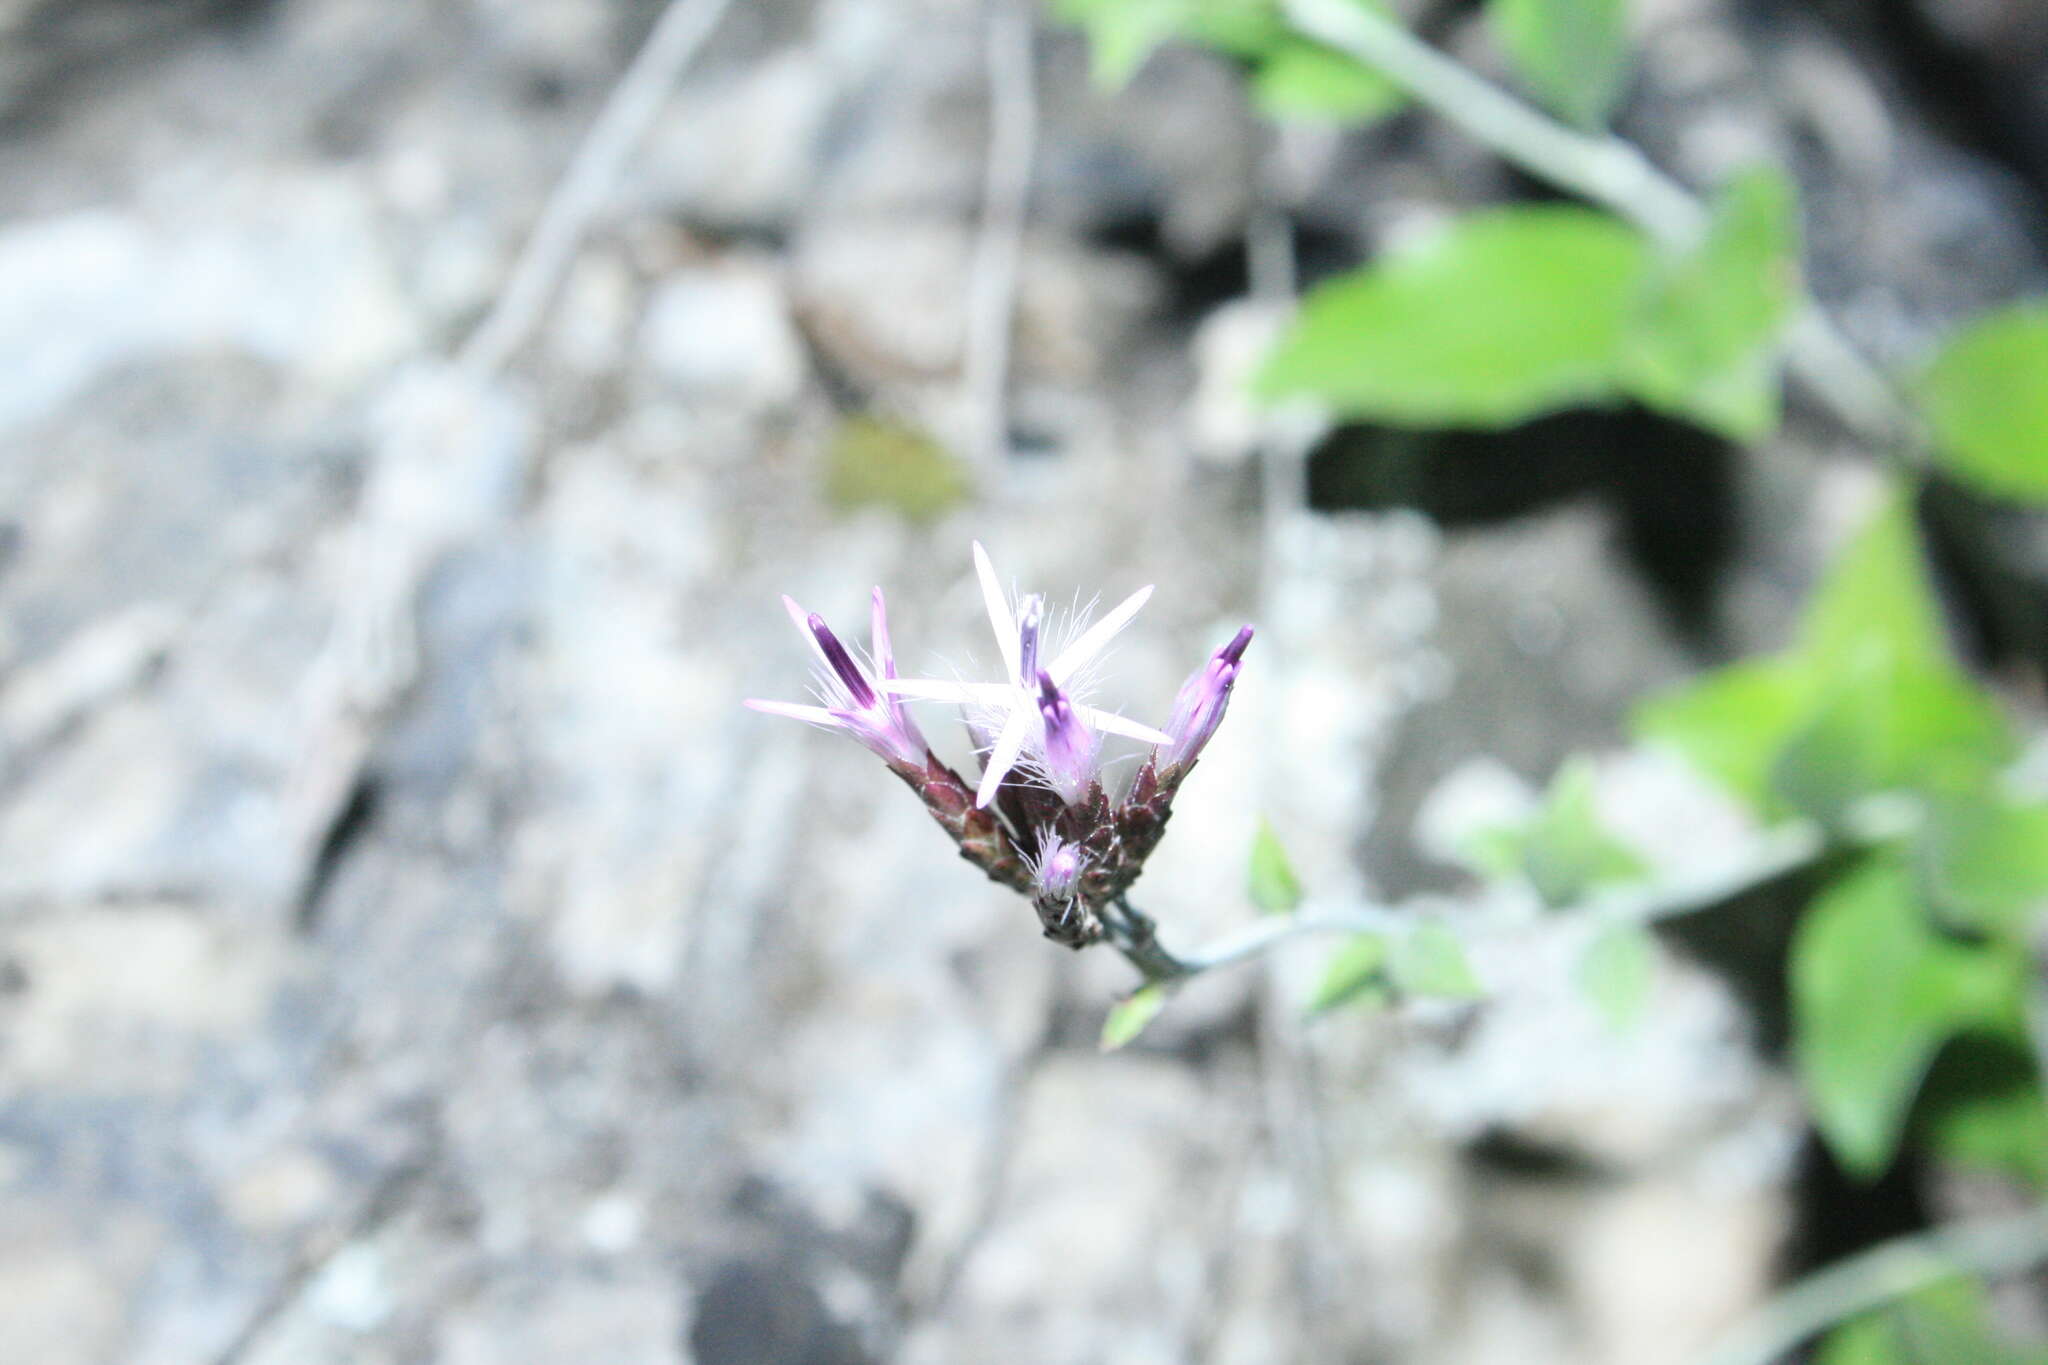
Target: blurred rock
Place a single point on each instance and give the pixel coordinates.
(723, 333)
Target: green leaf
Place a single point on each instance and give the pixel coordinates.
(1500, 317)
(1731, 723)
(1986, 399)
(1129, 1016)
(1617, 972)
(1572, 53)
(1123, 33)
(1707, 333)
(1566, 853)
(1875, 992)
(1949, 1323)
(1982, 863)
(1876, 594)
(1269, 878)
(1303, 80)
(1885, 725)
(1429, 960)
(1868, 699)
(878, 462)
(1356, 974)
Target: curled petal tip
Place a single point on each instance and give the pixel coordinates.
(1234, 651)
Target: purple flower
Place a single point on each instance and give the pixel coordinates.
(1055, 868)
(1012, 709)
(1199, 707)
(1067, 758)
(853, 700)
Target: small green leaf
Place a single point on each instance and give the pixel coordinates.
(1982, 862)
(1269, 878)
(1986, 397)
(1731, 723)
(1572, 53)
(1876, 593)
(1875, 992)
(1495, 852)
(1706, 339)
(1129, 1016)
(1303, 80)
(1122, 33)
(1357, 973)
(1617, 971)
(1429, 960)
(1500, 317)
(875, 461)
(1566, 852)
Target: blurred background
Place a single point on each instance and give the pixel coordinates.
(410, 951)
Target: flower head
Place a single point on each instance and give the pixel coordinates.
(1062, 840)
(1203, 698)
(853, 698)
(1015, 709)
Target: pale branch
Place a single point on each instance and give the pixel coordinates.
(1776, 854)
(628, 113)
(1888, 1271)
(1005, 200)
(1614, 174)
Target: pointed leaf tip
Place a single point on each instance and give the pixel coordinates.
(1129, 1016)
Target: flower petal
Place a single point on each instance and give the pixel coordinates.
(885, 658)
(1003, 757)
(1096, 636)
(937, 689)
(803, 624)
(998, 609)
(815, 715)
(1114, 724)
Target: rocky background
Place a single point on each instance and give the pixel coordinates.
(410, 951)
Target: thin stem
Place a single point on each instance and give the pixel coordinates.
(1776, 854)
(1994, 1246)
(1133, 933)
(628, 113)
(1606, 171)
(1005, 201)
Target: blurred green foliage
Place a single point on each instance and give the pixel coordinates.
(1290, 77)
(1562, 851)
(1617, 971)
(1572, 54)
(1511, 313)
(875, 461)
(1946, 1324)
(1356, 974)
(1269, 878)
(1129, 1016)
(1986, 396)
(1910, 965)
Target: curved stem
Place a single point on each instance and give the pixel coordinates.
(1607, 171)
(1780, 852)
(1133, 933)
(1991, 1246)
